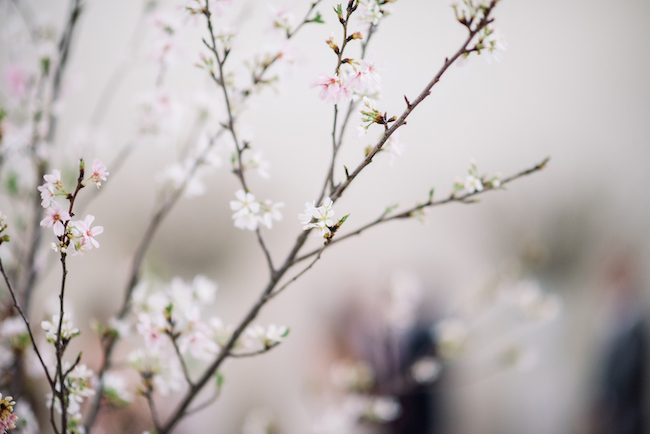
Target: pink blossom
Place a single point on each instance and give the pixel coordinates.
(199, 345)
(370, 72)
(54, 178)
(99, 173)
(55, 216)
(16, 79)
(152, 329)
(47, 194)
(332, 89)
(88, 233)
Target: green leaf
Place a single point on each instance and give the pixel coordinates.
(339, 10)
(318, 18)
(343, 219)
(391, 208)
(431, 195)
(220, 380)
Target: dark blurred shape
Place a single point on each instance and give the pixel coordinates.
(622, 396)
(420, 404)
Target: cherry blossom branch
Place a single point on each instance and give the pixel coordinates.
(42, 165)
(465, 198)
(265, 249)
(307, 268)
(134, 276)
(258, 75)
(74, 365)
(61, 344)
(351, 106)
(207, 403)
(143, 247)
(410, 106)
(152, 406)
(60, 348)
(186, 372)
(222, 83)
(180, 412)
(27, 324)
(267, 294)
(266, 349)
(352, 6)
(305, 20)
(52, 421)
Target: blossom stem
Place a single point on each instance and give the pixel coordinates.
(337, 143)
(186, 372)
(304, 20)
(41, 164)
(60, 349)
(411, 106)
(152, 407)
(29, 328)
(265, 249)
(206, 403)
(255, 353)
(311, 264)
(430, 203)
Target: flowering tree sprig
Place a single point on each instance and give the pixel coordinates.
(44, 109)
(158, 217)
(212, 341)
(270, 290)
(417, 210)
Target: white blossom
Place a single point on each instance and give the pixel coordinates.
(246, 209)
(318, 218)
(51, 328)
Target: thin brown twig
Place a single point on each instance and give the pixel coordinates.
(186, 372)
(207, 403)
(336, 144)
(307, 268)
(27, 324)
(384, 217)
(412, 105)
(266, 251)
(152, 407)
(255, 353)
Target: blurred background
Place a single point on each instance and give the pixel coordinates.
(573, 85)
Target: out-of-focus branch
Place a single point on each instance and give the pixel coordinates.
(41, 164)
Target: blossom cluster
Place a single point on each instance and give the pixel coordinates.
(78, 384)
(74, 236)
(268, 337)
(360, 78)
(489, 41)
(474, 182)
(319, 218)
(68, 331)
(171, 318)
(7, 417)
(250, 213)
